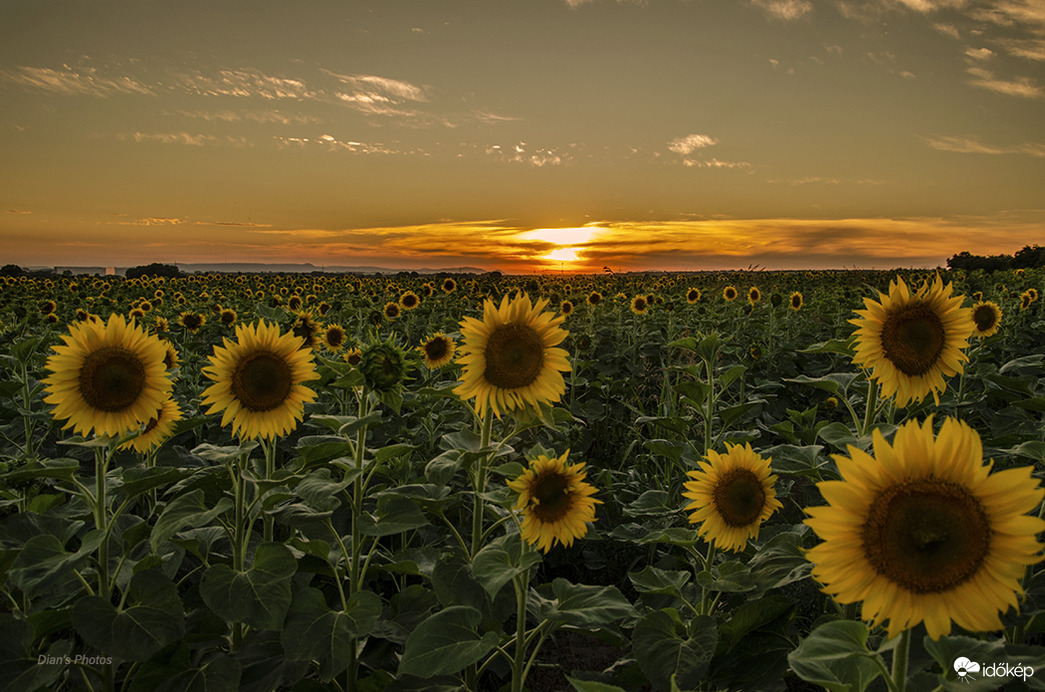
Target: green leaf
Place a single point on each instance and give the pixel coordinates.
(835, 656)
(64, 469)
(43, 566)
(651, 502)
(153, 619)
(259, 596)
(946, 650)
(391, 451)
(665, 649)
(320, 492)
(730, 576)
(223, 455)
(839, 346)
(653, 580)
(835, 383)
(186, 510)
(584, 606)
(445, 643)
(500, 561)
(313, 631)
(20, 669)
(317, 449)
(838, 435)
(394, 514)
(139, 480)
(220, 674)
(592, 686)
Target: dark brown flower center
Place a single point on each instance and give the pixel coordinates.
(111, 378)
(552, 496)
(335, 337)
(514, 356)
(435, 349)
(739, 497)
(913, 338)
(262, 381)
(984, 317)
(927, 536)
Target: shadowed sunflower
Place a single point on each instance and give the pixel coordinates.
(510, 357)
(911, 340)
(796, 301)
(754, 295)
(257, 381)
(437, 350)
(409, 300)
(307, 330)
(986, 316)
(392, 310)
(108, 376)
(732, 495)
(192, 321)
(924, 532)
(693, 296)
(639, 305)
(729, 293)
(555, 500)
(334, 337)
(594, 298)
(566, 308)
(157, 429)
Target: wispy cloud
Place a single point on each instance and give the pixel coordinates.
(690, 143)
(787, 10)
(71, 81)
(196, 140)
(1019, 86)
(972, 145)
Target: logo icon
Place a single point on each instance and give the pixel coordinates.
(964, 668)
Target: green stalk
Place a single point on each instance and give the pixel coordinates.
(358, 486)
(480, 483)
(270, 471)
(101, 467)
(521, 584)
(872, 405)
(900, 654)
(710, 411)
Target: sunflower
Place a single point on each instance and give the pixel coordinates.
(594, 298)
(729, 293)
(639, 305)
(911, 340)
(754, 295)
(732, 495)
(227, 317)
(108, 376)
(449, 285)
(796, 301)
(1032, 293)
(257, 381)
(924, 532)
(334, 337)
(510, 357)
(170, 355)
(437, 350)
(157, 429)
(409, 300)
(192, 321)
(693, 296)
(353, 356)
(392, 310)
(986, 317)
(556, 502)
(566, 307)
(307, 330)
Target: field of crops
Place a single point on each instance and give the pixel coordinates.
(594, 483)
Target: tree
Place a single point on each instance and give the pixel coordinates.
(155, 269)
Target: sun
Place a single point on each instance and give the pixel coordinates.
(562, 255)
(570, 242)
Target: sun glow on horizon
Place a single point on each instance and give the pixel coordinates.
(570, 241)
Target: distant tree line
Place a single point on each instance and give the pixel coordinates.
(1029, 257)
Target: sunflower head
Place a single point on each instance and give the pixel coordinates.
(693, 296)
(732, 493)
(437, 350)
(157, 429)
(796, 301)
(409, 300)
(566, 307)
(986, 318)
(258, 381)
(192, 321)
(392, 310)
(729, 293)
(594, 298)
(334, 337)
(754, 295)
(555, 500)
(911, 340)
(640, 305)
(510, 357)
(384, 366)
(108, 377)
(306, 329)
(227, 317)
(924, 532)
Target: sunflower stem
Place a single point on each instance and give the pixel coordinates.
(239, 485)
(270, 470)
(480, 483)
(872, 405)
(521, 584)
(101, 468)
(900, 654)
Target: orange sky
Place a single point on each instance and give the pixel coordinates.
(677, 135)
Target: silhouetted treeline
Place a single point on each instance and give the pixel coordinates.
(155, 269)
(1028, 257)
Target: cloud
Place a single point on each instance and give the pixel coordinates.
(787, 10)
(73, 81)
(690, 143)
(199, 140)
(979, 53)
(1020, 86)
(971, 145)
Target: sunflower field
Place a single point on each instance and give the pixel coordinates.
(718, 481)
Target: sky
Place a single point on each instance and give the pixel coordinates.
(521, 135)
